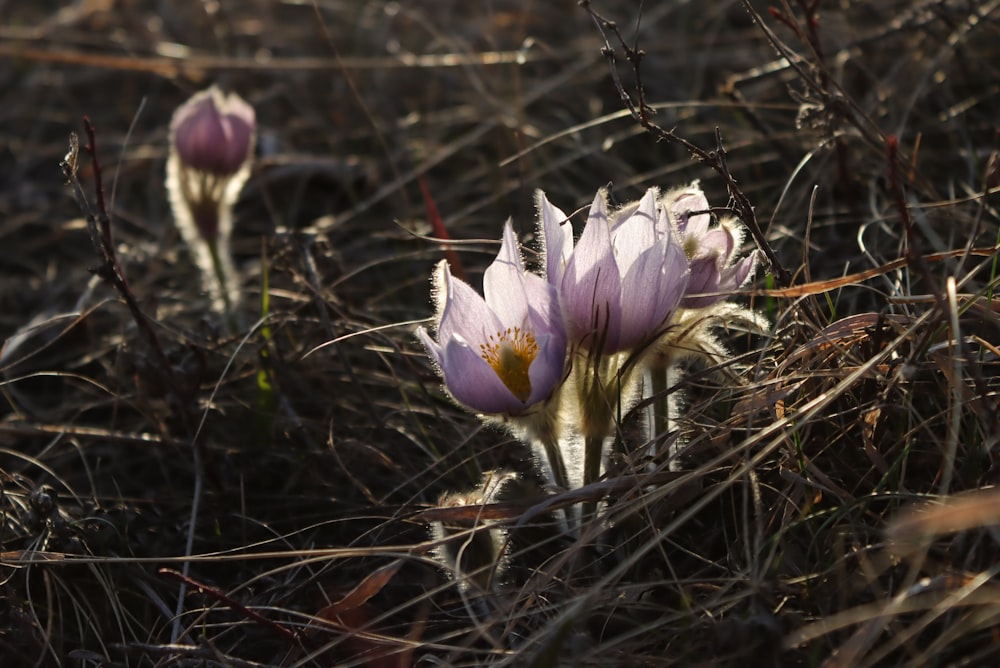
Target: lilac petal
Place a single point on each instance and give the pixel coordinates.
(433, 349)
(622, 214)
(543, 305)
(557, 238)
(664, 228)
(465, 313)
(626, 211)
(734, 277)
(240, 121)
(546, 320)
(718, 243)
(591, 287)
(691, 199)
(651, 291)
(703, 284)
(546, 372)
(213, 132)
(503, 282)
(473, 382)
(637, 234)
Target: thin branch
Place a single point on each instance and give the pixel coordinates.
(110, 269)
(716, 160)
(232, 604)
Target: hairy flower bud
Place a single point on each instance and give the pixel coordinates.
(716, 271)
(211, 148)
(213, 132)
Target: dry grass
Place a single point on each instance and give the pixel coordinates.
(866, 154)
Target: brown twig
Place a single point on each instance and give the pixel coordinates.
(716, 160)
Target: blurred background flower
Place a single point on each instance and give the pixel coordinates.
(211, 149)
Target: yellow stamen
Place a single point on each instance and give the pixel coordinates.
(511, 353)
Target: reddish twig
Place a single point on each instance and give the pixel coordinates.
(222, 597)
(441, 232)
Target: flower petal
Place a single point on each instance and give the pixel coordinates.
(651, 291)
(682, 202)
(543, 304)
(556, 233)
(734, 277)
(433, 349)
(626, 211)
(465, 314)
(717, 243)
(546, 372)
(637, 234)
(703, 284)
(590, 292)
(503, 282)
(213, 132)
(473, 382)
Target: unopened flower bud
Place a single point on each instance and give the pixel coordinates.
(211, 148)
(213, 132)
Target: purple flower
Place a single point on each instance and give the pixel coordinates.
(213, 132)
(619, 286)
(211, 146)
(715, 270)
(211, 150)
(504, 354)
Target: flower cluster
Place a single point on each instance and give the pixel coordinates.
(557, 354)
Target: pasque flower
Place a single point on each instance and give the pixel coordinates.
(503, 354)
(715, 270)
(211, 141)
(624, 278)
(211, 146)
(558, 356)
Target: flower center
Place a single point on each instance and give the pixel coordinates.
(511, 353)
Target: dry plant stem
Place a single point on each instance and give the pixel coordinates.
(954, 424)
(827, 90)
(220, 596)
(828, 96)
(989, 416)
(99, 225)
(224, 280)
(716, 160)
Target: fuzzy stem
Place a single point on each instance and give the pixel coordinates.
(661, 422)
(593, 456)
(597, 405)
(557, 465)
(223, 279)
